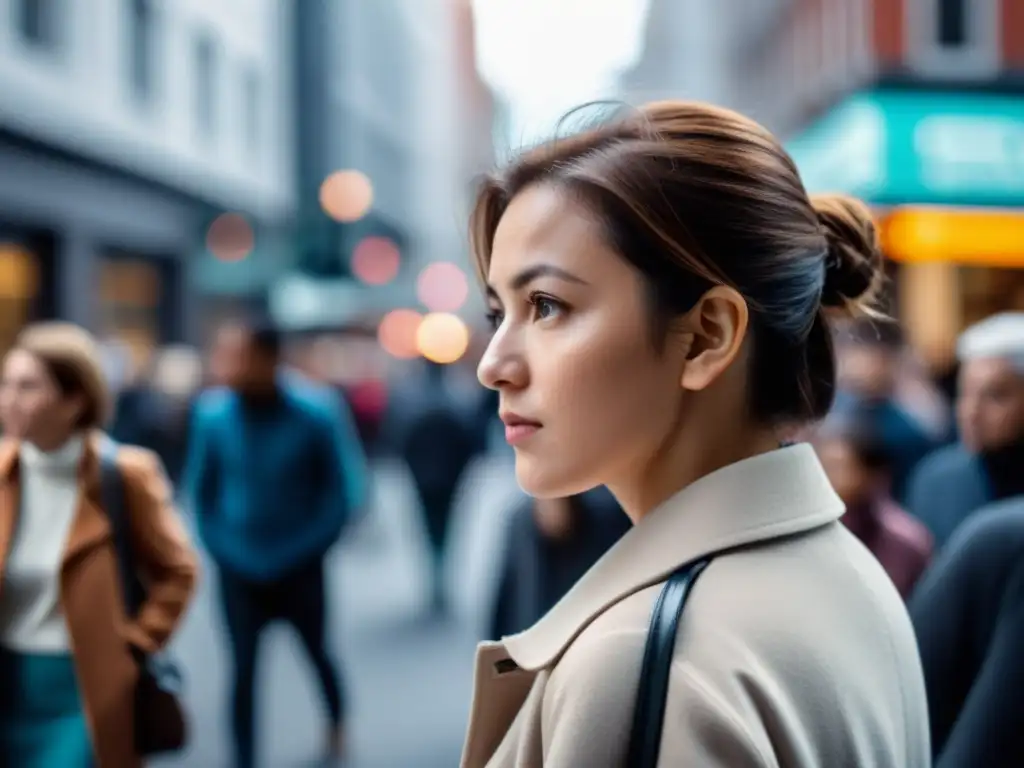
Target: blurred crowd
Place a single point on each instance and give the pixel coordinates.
(930, 472)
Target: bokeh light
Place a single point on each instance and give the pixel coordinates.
(397, 333)
(442, 337)
(376, 260)
(230, 238)
(442, 287)
(346, 196)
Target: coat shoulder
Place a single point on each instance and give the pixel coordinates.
(803, 641)
(943, 466)
(213, 402)
(139, 464)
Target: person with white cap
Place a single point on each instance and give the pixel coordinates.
(987, 463)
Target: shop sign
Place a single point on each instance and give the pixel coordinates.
(895, 147)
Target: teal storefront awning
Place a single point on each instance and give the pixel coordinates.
(906, 147)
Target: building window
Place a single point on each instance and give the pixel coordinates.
(37, 22)
(130, 304)
(951, 20)
(140, 47)
(19, 288)
(206, 82)
(252, 109)
(953, 39)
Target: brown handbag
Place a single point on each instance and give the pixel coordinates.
(160, 724)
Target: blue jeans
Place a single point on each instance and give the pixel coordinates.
(42, 724)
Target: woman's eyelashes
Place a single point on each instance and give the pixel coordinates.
(545, 307)
(495, 318)
(541, 308)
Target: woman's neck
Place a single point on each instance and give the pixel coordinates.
(67, 453)
(683, 462)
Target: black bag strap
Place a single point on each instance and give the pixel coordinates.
(649, 715)
(116, 509)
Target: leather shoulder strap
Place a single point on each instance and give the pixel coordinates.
(649, 715)
(115, 507)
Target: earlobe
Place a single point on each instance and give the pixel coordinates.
(719, 325)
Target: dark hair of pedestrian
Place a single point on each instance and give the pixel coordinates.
(694, 196)
(858, 432)
(71, 357)
(265, 337)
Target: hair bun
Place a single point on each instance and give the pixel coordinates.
(853, 266)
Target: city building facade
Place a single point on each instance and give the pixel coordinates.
(126, 128)
(387, 90)
(916, 106)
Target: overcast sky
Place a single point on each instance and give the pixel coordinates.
(546, 56)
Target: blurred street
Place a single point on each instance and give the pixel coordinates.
(378, 582)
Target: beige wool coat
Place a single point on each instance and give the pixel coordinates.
(794, 651)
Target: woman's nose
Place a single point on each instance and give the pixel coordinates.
(500, 367)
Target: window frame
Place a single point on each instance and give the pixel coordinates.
(979, 57)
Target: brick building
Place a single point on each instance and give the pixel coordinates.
(916, 106)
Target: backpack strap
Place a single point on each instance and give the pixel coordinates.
(116, 509)
(649, 714)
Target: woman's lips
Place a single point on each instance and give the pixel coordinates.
(517, 433)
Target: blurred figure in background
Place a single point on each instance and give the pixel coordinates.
(968, 614)
(67, 654)
(550, 544)
(177, 373)
(987, 464)
(275, 472)
(859, 466)
(437, 443)
(155, 410)
(870, 361)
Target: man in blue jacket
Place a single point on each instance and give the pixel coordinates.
(275, 471)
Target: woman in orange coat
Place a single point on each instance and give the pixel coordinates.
(67, 668)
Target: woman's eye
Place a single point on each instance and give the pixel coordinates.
(545, 308)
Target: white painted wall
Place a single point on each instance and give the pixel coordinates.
(77, 96)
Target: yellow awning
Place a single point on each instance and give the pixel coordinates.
(968, 236)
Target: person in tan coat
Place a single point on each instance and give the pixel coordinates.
(661, 288)
(67, 671)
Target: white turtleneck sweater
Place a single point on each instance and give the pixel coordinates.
(30, 616)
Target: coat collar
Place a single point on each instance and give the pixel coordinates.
(90, 526)
(768, 496)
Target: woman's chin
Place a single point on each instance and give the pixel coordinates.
(543, 480)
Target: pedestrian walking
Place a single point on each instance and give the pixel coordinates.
(70, 649)
(275, 472)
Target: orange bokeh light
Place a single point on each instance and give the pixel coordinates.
(397, 333)
(376, 260)
(442, 287)
(442, 337)
(230, 238)
(346, 196)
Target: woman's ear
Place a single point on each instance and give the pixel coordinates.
(718, 323)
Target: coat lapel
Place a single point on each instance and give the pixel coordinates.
(90, 526)
(500, 687)
(9, 500)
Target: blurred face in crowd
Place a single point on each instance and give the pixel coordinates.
(584, 397)
(32, 406)
(237, 363)
(868, 370)
(853, 481)
(990, 404)
(230, 357)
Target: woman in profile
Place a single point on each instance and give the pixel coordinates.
(661, 287)
(68, 650)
